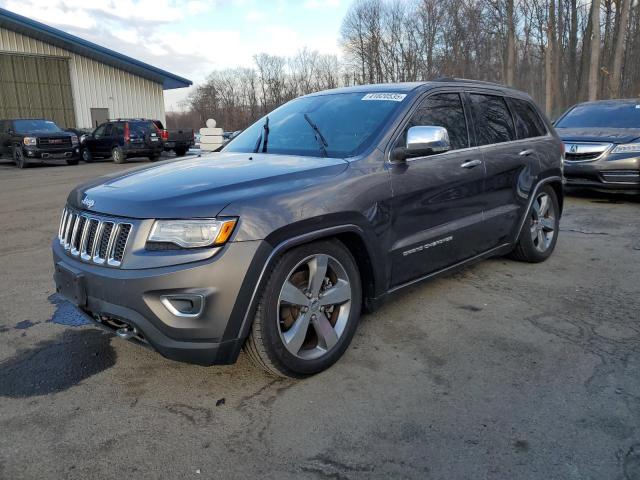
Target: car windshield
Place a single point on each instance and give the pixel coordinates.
(30, 126)
(346, 124)
(602, 115)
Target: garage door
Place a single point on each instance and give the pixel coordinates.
(36, 87)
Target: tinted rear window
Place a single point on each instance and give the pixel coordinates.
(602, 115)
(495, 124)
(528, 122)
(141, 128)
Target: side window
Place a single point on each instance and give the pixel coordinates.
(109, 130)
(443, 110)
(495, 124)
(528, 122)
(99, 132)
(118, 129)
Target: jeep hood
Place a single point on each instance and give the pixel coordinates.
(200, 187)
(609, 135)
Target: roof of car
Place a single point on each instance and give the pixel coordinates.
(613, 101)
(83, 47)
(403, 87)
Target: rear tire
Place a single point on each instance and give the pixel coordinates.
(155, 157)
(540, 231)
(18, 157)
(118, 155)
(296, 314)
(180, 152)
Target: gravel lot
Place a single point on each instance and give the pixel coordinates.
(500, 371)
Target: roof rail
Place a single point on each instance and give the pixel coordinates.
(466, 80)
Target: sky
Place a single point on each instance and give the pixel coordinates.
(191, 38)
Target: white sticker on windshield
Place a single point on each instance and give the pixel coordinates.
(390, 97)
(637, 106)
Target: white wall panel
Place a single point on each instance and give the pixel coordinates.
(94, 84)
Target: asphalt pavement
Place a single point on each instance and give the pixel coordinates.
(503, 370)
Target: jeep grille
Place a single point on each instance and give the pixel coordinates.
(93, 238)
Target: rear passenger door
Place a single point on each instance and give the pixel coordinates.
(511, 168)
(437, 199)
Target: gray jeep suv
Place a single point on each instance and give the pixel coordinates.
(317, 211)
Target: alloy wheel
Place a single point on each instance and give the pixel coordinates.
(543, 222)
(314, 306)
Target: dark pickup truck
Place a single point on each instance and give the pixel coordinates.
(179, 140)
(30, 140)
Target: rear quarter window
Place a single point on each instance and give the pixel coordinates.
(494, 121)
(528, 122)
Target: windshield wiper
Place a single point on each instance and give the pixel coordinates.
(262, 136)
(318, 136)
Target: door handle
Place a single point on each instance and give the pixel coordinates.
(525, 153)
(471, 163)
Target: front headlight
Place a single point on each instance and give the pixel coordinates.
(627, 148)
(74, 140)
(29, 140)
(192, 233)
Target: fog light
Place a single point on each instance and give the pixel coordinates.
(29, 153)
(189, 305)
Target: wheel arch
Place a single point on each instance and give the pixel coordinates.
(352, 236)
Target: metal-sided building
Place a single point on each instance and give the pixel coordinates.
(48, 73)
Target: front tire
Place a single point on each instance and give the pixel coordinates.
(154, 157)
(86, 155)
(18, 157)
(117, 155)
(180, 152)
(540, 232)
(308, 311)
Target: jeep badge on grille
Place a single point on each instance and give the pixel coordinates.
(87, 202)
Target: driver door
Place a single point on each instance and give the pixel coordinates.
(438, 199)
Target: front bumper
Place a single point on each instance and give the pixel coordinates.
(134, 297)
(604, 174)
(52, 153)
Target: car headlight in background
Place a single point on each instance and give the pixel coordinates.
(192, 233)
(627, 148)
(74, 140)
(29, 140)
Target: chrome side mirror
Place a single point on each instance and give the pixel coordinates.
(422, 141)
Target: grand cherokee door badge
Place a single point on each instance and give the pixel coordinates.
(428, 245)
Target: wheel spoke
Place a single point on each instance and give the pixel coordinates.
(534, 230)
(536, 208)
(548, 223)
(338, 294)
(293, 295)
(294, 337)
(541, 240)
(317, 272)
(544, 205)
(327, 336)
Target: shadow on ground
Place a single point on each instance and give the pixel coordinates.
(55, 365)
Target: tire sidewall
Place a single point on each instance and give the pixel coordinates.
(526, 239)
(276, 349)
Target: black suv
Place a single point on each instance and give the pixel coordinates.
(324, 207)
(29, 140)
(602, 142)
(123, 138)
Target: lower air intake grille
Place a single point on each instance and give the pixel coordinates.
(93, 238)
